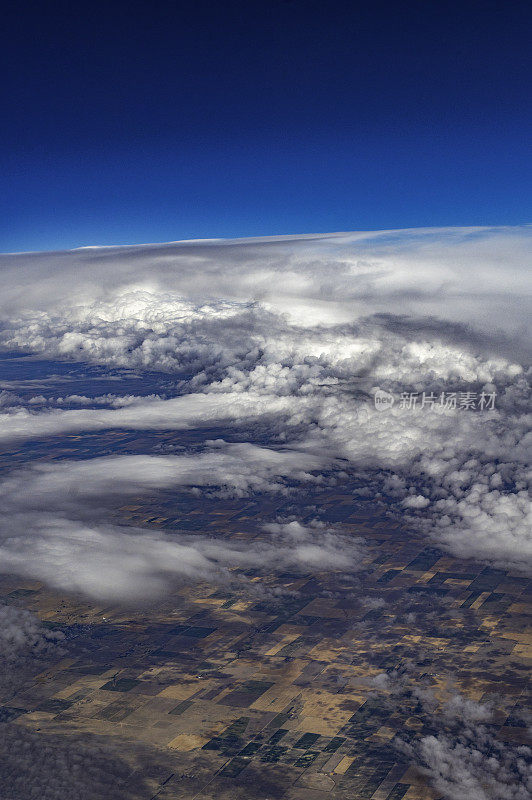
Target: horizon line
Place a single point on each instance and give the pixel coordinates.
(272, 238)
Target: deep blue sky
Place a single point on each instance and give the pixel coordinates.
(127, 122)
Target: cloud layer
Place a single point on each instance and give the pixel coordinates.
(55, 522)
(292, 335)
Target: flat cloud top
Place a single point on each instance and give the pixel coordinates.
(478, 272)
